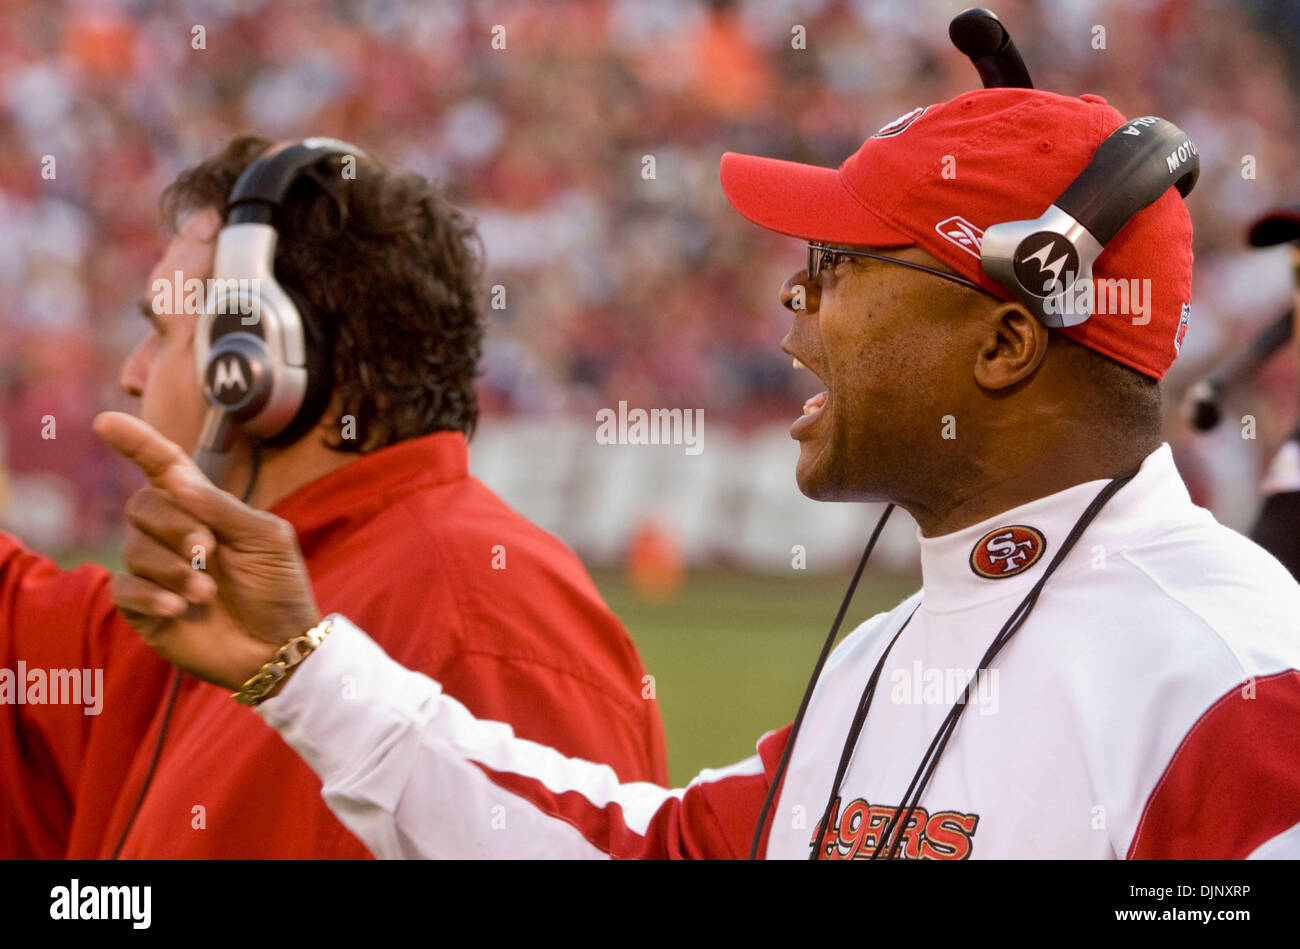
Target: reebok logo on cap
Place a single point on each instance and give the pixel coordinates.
(962, 233)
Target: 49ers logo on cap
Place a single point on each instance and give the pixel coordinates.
(900, 123)
(1007, 551)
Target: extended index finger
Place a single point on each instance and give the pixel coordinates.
(142, 444)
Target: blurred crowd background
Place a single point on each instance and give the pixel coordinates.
(617, 287)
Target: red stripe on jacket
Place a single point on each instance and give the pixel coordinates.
(711, 820)
(1234, 782)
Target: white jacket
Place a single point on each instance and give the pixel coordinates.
(1149, 707)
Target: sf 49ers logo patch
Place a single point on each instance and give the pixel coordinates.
(929, 835)
(890, 129)
(1007, 551)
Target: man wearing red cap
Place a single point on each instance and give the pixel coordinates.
(1136, 660)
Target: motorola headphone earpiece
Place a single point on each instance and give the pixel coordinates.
(1041, 261)
(263, 357)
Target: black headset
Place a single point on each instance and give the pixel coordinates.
(1041, 261)
(262, 355)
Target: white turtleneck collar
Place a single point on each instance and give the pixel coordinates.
(1005, 555)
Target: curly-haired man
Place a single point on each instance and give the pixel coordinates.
(395, 532)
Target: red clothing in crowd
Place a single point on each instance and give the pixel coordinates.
(403, 540)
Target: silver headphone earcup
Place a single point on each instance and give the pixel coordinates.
(1042, 262)
(252, 359)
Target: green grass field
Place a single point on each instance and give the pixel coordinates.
(731, 653)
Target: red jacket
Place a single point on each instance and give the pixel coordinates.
(402, 540)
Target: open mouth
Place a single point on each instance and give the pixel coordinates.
(813, 407)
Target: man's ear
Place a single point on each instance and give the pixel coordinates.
(1012, 349)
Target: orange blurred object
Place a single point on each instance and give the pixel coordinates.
(732, 75)
(101, 41)
(655, 566)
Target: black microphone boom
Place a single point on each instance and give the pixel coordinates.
(1201, 404)
(979, 34)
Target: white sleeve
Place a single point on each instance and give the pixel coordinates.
(413, 774)
(1285, 846)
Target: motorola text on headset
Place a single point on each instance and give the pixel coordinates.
(1039, 262)
(262, 354)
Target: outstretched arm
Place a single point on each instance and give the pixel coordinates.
(413, 774)
(404, 766)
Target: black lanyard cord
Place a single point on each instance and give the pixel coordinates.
(940, 740)
(779, 774)
(903, 814)
(153, 762)
(1017, 619)
(859, 718)
(256, 464)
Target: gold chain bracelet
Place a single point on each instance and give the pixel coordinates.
(289, 655)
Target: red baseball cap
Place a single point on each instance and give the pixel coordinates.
(940, 175)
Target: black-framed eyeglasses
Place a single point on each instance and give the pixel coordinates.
(822, 257)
